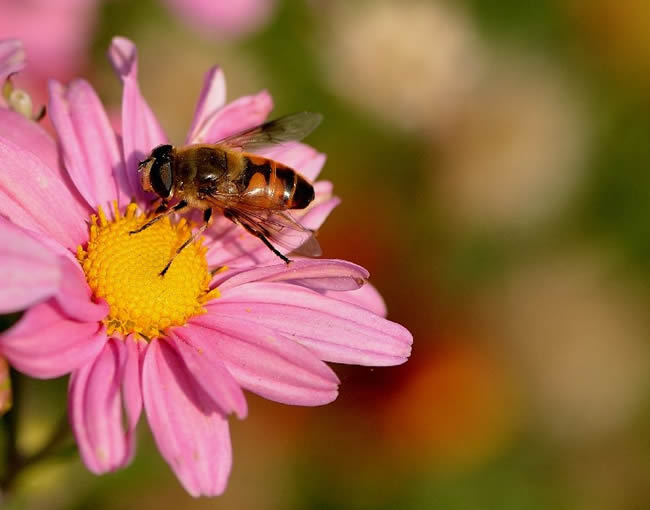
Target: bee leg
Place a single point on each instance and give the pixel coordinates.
(268, 244)
(207, 216)
(260, 235)
(165, 212)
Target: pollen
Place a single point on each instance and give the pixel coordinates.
(124, 270)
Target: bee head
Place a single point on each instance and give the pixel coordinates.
(156, 172)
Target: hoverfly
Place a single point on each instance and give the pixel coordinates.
(250, 190)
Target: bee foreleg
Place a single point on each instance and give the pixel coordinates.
(165, 212)
(207, 216)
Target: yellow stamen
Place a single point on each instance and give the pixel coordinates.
(124, 270)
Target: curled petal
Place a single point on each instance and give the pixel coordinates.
(190, 431)
(46, 343)
(209, 372)
(141, 131)
(265, 362)
(89, 145)
(321, 274)
(12, 58)
(95, 410)
(244, 113)
(211, 100)
(366, 297)
(33, 195)
(334, 330)
(29, 271)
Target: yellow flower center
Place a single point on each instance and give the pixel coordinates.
(124, 270)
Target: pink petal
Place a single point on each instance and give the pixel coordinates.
(141, 131)
(211, 100)
(74, 295)
(89, 145)
(95, 410)
(333, 329)
(265, 362)
(304, 159)
(366, 297)
(208, 371)
(244, 113)
(191, 434)
(33, 195)
(30, 137)
(131, 387)
(29, 272)
(319, 274)
(12, 58)
(45, 343)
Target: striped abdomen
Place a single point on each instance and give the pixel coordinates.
(272, 185)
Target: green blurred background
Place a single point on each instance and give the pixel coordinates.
(493, 159)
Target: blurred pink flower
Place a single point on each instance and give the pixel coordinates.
(221, 18)
(56, 34)
(182, 347)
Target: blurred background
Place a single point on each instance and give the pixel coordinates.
(493, 159)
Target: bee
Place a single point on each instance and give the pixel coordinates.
(228, 178)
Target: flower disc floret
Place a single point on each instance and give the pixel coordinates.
(124, 270)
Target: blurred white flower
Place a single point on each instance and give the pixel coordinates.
(408, 62)
(513, 155)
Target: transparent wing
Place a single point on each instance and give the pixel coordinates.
(278, 227)
(290, 128)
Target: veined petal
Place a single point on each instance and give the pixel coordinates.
(266, 362)
(211, 100)
(141, 131)
(95, 410)
(243, 113)
(33, 196)
(131, 388)
(321, 274)
(46, 343)
(12, 58)
(334, 330)
(191, 433)
(29, 272)
(89, 145)
(208, 371)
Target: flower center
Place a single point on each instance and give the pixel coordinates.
(124, 270)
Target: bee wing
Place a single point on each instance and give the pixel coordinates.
(277, 226)
(290, 128)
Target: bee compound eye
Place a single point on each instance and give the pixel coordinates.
(161, 178)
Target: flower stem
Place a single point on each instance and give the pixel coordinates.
(16, 461)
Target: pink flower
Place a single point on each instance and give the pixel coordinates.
(219, 18)
(56, 34)
(183, 347)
